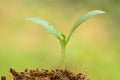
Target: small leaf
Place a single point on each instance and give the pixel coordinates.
(63, 35)
(83, 19)
(46, 25)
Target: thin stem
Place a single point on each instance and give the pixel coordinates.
(62, 60)
(63, 48)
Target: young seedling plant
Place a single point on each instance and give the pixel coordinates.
(63, 39)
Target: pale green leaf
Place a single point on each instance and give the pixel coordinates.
(46, 25)
(83, 19)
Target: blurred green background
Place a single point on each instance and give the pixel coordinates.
(94, 48)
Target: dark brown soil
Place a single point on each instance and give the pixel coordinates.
(55, 74)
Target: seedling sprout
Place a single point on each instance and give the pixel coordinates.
(63, 39)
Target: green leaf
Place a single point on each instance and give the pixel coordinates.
(46, 25)
(83, 19)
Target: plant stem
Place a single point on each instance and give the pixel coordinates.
(62, 60)
(63, 48)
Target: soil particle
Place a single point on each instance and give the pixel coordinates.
(3, 78)
(54, 74)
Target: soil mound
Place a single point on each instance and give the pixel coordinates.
(54, 74)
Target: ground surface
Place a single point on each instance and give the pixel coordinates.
(55, 74)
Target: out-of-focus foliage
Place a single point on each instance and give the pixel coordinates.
(94, 47)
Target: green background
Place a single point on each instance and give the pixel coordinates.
(94, 48)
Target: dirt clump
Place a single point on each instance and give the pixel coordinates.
(54, 74)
